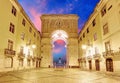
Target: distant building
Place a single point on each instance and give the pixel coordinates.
(99, 47)
(59, 27)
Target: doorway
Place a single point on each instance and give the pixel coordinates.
(109, 65)
(90, 65)
(97, 65)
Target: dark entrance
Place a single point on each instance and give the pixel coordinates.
(97, 65)
(109, 65)
(90, 64)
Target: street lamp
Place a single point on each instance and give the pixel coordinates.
(84, 47)
(33, 46)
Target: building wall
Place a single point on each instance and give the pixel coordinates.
(66, 23)
(6, 18)
(111, 17)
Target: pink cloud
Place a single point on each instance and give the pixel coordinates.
(36, 18)
(79, 29)
(58, 50)
(60, 42)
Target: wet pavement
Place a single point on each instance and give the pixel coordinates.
(48, 75)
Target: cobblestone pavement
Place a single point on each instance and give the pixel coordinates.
(48, 75)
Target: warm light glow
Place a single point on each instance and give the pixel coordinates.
(33, 46)
(84, 46)
(25, 51)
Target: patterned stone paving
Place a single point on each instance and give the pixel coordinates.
(47, 75)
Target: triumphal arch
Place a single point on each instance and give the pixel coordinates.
(59, 43)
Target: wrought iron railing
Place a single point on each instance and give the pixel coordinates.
(9, 52)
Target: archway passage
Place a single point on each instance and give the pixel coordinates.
(59, 48)
(59, 53)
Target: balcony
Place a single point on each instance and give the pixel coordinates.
(79, 60)
(89, 57)
(96, 56)
(9, 53)
(108, 54)
(21, 55)
(29, 57)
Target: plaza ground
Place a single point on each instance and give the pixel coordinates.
(49, 75)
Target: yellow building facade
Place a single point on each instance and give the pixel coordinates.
(20, 40)
(97, 47)
(98, 40)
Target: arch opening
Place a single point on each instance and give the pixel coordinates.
(59, 48)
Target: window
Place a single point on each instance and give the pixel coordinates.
(22, 36)
(110, 7)
(88, 42)
(10, 45)
(80, 38)
(83, 35)
(96, 50)
(87, 30)
(34, 34)
(29, 41)
(14, 11)
(95, 36)
(28, 62)
(107, 46)
(23, 22)
(11, 29)
(37, 37)
(103, 11)
(93, 23)
(21, 62)
(30, 29)
(21, 49)
(105, 29)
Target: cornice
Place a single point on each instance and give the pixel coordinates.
(64, 16)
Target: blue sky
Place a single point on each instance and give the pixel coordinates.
(35, 8)
(59, 51)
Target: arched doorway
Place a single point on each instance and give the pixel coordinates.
(109, 64)
(59, 49)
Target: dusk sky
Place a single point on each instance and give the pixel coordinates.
(35, 8)
(59, 51)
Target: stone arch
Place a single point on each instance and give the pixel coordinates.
(59, 34)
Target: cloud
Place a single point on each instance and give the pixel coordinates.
(60, 42)
(58, 50)
(36, 18)
(35, 8)
(79, 30)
